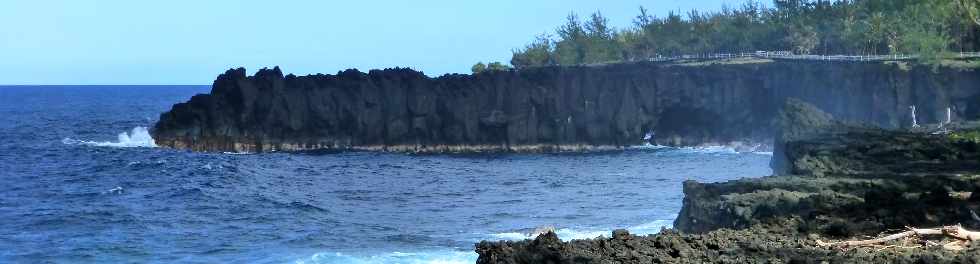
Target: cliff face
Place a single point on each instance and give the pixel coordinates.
(549, 109)
(845, 179)
(850, 182)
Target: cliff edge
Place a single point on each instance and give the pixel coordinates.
(841, 182)
(565, 108)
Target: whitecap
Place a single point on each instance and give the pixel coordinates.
(710, 150)
(707, 149)
(139, 137)
(117, 190)
(447, 256)
(698, 149)
(648, 146)
(566, 234)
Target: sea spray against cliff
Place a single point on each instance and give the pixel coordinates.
(139, 137)
(302, 208)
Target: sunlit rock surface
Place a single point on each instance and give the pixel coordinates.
(551, 108)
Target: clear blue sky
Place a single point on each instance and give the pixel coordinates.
(191, 41)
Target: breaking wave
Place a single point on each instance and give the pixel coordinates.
(702, 149)
(453, 256)
(437, 257)
(139, 137)
(566, 234)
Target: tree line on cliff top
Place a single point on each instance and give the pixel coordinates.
(929, 28)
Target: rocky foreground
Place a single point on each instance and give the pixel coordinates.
(837, 182)
(550, 109)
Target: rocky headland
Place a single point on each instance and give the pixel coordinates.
(835, 181)
(561, 108)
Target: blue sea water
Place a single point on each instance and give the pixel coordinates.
(81, 182)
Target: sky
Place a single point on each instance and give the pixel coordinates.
(192, 41)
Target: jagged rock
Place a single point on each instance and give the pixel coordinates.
(757, 244)
(548, 108)
(843, 172)
(810, 142)
(621, 234)
(797, 121)
(857, 182)
(546, 248)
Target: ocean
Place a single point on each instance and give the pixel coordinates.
(81, 181)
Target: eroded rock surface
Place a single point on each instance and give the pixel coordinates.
(757, 244)
(549, 108)
(842, 182)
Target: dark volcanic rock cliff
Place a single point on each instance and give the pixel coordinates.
(838, 173)
(849, 182)
(551, 108)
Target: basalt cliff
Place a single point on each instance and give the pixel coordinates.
(840, 182)
(553, 108)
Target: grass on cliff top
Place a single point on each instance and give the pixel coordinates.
(961, 64)
(966, 135)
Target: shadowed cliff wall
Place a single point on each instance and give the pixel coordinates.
(550, 108)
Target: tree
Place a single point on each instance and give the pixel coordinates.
(876, 31)
(497, 66)
(601, 45)
(538, 53)
(925, 33)
(804, 39)
(571, 47)
(478, 68)
(971, 9)
(926, 27)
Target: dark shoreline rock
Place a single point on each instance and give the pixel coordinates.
(843, 182)
(757, 244)
(549, 109)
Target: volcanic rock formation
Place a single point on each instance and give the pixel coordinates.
(551, 108)
(848, 181)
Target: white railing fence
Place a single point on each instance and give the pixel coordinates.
(790, 56)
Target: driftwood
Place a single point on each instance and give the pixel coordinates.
(962, 237)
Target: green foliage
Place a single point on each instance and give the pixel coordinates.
(497, 66)
(969, 135)
(927, 36)
(970, 10)
(803, 39)
(538, 53)
(478, 67)
(930, 28)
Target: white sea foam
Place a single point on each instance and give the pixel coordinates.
(700, 149)
(139, 137)
(452, 256)
(649, 146)
(435, 257)
(566, 234)
(710, 150)
(116, 190)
